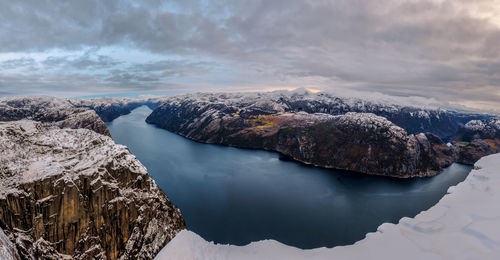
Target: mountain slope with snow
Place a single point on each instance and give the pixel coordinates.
(353, 141)
(413, 117)
(50, 110)
(68, 191)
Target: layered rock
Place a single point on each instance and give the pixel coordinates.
(74, 193)
(59, 112)
(67, 191)
(360, 142)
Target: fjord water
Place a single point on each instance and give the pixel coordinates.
(236, 196)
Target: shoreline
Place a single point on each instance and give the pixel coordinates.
(464, 224)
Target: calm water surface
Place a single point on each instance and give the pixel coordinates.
(236, 196)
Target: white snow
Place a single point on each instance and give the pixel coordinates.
(475, 125)
(464, 224)
(32, 150)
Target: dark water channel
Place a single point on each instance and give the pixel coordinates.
(237, 196)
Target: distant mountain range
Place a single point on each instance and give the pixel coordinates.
(414, 119)
(317, 128)
(69, 191)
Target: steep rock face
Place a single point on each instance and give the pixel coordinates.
(359, 142)
(8, 250)
(473, 151)
(363, 143)
(436, 151)
(74, 193)
(51, 110)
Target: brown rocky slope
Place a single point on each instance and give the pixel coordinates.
(361, 142)
(476, 139)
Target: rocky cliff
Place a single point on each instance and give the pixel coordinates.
(8, 250)
(239, 119)
(361, 142)
(59, 112)
(476, 139)
(413, 119)
(74, 193)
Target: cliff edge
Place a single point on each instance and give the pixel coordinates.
(73, 193)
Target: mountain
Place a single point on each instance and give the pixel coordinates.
(478, 138)
(335, 136)
(50, 110)
(68, 192)
(361, 142)
(413, 118)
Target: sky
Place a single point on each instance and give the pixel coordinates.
(441, 50)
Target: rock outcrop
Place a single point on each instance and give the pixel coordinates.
(479, 129)
(413, 119)
(196, 115)
(476, 139)
(59, 112)
(8, 250)
(473, 151)
(67, 191)
(75, 193)
(360, 142)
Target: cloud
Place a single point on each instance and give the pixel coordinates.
(84, 62)
(442, 49)
(17, 63)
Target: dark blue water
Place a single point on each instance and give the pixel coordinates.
(236, 196)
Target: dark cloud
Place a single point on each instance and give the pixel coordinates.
(442, 49)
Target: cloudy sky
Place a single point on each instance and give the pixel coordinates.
(447, 51)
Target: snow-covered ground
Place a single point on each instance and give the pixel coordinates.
(464, 224)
